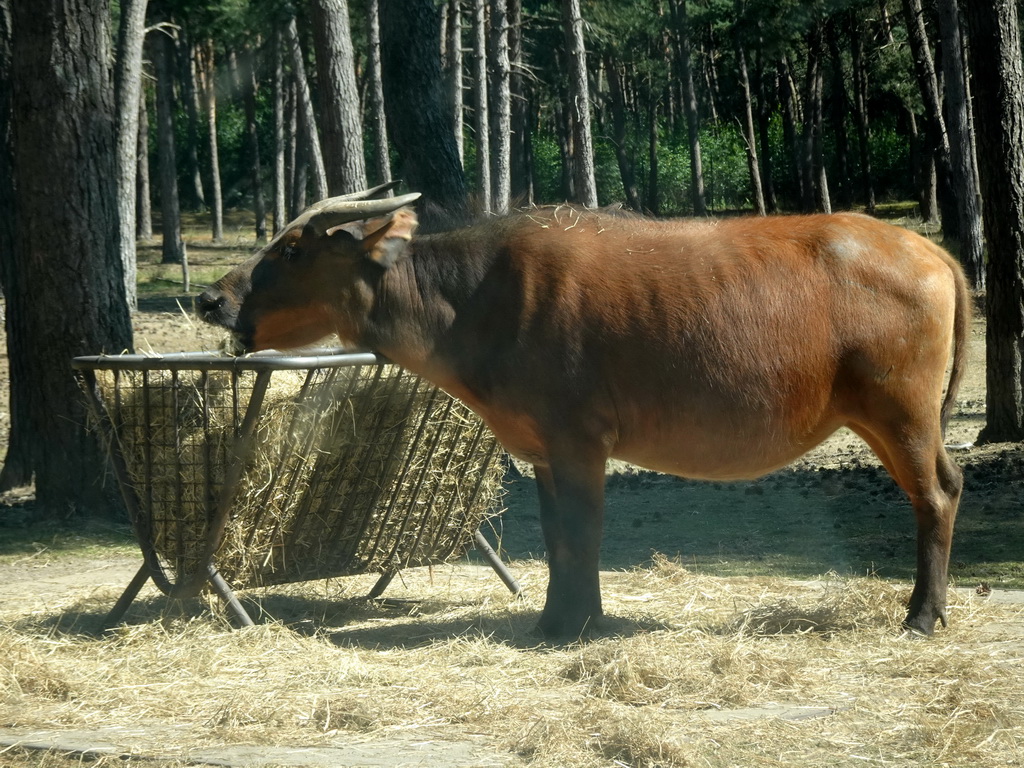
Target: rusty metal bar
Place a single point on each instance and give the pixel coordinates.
(192, 583)
(224, 592)
(496, 563)
(349, 552)
(382, 583)
(492, 450)
(179, 491)
(129, 493)
(396, 554)
(283, 456)
(127, 598)
(318, 479)
(209, 491)
(421, 528)
(214, 361)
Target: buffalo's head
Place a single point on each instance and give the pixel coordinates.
(315, 277)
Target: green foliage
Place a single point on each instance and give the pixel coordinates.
(674, 187)
(548, 169)
(642, 40)
(726, 178)
(891, 162)
(223, 20)
(469, 154)
(232, 147)
(725, 171)
(606, 172)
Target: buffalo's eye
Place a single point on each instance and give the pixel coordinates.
(290, 253)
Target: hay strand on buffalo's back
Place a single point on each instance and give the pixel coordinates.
(351, 470)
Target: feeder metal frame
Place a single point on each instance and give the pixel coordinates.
(263, 365)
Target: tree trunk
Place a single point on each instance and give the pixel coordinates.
(252, 140)
(419, 121)
(860, 113)
(618, 106)
(453, 70)
(935, 124)
(823, 199)
(304, 106)
(280, 145)
(300, 149)
(378, 121)
(653, 201)
(17, 468)
(195, 194)
(961, 156)
(765, 110)
(208, 94)
(481, 118)
(501, 108)
(127, 88)
(170, 210)
(579, 105)
(885, 22)
(143, 206)
(339, 98)
(807, 141)
(665, 50)
(840, 109)
(67, 297)
(999, 117)
(563, 135)
(522, 175)
(749, 135)
(922, 161)
(790, 119)
(682, 20)
(815, 183)
(710, 76)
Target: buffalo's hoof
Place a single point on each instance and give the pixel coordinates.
(562, 629)
(922, 624)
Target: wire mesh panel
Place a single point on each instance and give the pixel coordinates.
(289, 469)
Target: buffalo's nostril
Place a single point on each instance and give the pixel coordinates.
(209, 302)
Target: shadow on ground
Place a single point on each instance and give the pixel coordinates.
(797, 523)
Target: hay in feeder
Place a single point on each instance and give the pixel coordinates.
(352, 470)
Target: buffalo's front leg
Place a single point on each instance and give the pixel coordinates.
(572, 518)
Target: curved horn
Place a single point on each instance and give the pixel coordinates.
(336, 211)
(366, 194)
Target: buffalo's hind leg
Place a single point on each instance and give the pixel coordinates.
(572, 518)
(936, 514)
(920, 465)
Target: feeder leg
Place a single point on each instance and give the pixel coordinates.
(126, 599)
(381, 585)
(485, 549)
(221, 588)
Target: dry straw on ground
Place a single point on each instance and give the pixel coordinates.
(352, 470)
(681, 651)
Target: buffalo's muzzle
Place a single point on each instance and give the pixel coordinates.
(212, 306)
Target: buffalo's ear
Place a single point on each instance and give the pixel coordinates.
(353, 228)
(385, 243)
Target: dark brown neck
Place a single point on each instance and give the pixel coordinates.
(418, 302)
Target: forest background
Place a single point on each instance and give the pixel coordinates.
(116, 114)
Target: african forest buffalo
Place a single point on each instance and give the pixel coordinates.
(718, 350)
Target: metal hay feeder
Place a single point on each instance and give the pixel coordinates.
(272, 469)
